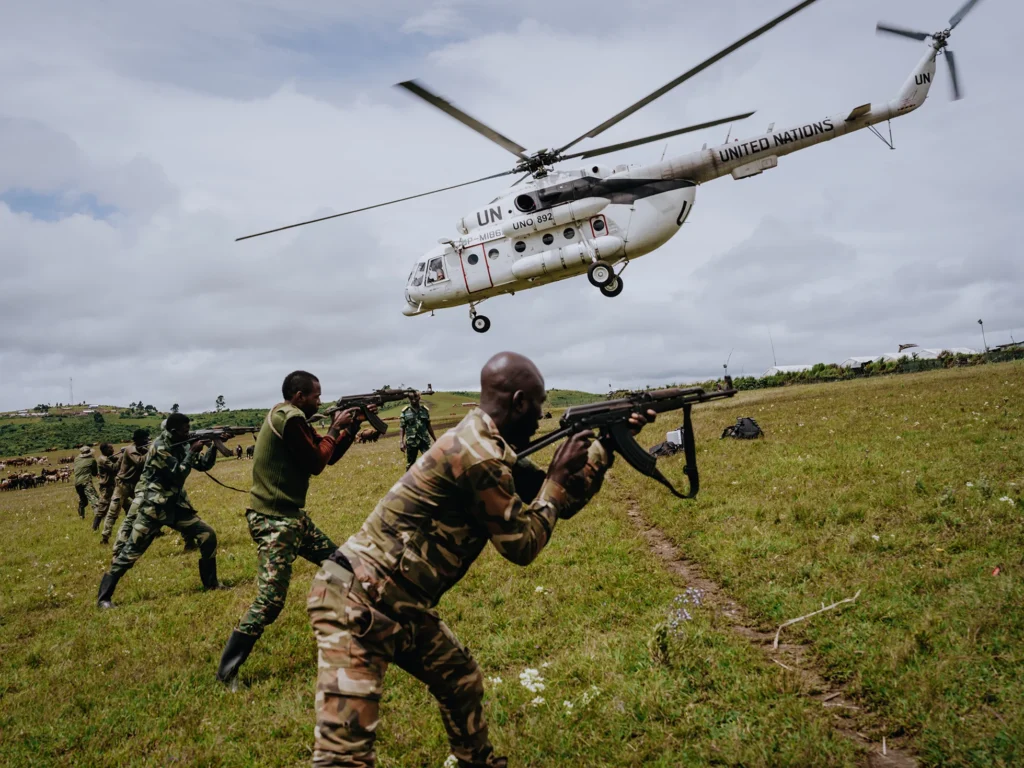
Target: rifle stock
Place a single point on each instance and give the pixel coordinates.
(611, 419)
(217, 435)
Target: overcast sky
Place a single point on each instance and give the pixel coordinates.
(138, 139)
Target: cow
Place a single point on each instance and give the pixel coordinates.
(250, 451)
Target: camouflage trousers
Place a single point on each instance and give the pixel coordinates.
(279, 540)
(87, 496)
(356, 644)
(147, 522)
(412, 450)
(105, 494)
(122, 499)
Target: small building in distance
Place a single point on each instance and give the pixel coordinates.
(786, 369)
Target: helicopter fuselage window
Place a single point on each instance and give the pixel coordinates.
(520, 246)
(493, 253)
(435, 271)
(569, 233)
(472, 259)
(548, 239)
(416, 278)
(598, 225)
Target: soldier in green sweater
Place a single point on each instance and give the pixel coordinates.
(288, 452)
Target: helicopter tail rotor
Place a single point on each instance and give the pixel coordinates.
(939, 42)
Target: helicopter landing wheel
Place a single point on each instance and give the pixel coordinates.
(614, 288)
(480, 324)
(600, 274)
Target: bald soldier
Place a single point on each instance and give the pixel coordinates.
(371, 604)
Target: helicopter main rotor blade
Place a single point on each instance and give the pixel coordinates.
(450, 109)
(647, 139)
(957, 17)
(953, 79)
(913, 35)
(371, 207)
(687, 75)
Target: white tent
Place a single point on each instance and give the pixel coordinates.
(859, 362)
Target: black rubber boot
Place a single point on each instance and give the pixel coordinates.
(235, 653)
(107, 586)
(104, 539)
(208, 574)
(96, 522)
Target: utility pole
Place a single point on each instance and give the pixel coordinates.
(983, 341)
(774, 361)
(71, 392)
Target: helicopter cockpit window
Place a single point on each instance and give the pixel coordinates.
(435, 271)
(416, 277)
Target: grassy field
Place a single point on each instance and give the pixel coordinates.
(906, 488)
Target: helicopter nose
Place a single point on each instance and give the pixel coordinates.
(410, 309)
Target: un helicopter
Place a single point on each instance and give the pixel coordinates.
(553, 224)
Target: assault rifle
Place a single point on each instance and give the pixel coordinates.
(378, 398)
(611, 419)
(217, 435)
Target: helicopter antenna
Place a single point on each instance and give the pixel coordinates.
(663, 153)
(728, 135)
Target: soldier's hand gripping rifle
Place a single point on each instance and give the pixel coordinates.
(611, 420)
(377, 398)
(217, 436)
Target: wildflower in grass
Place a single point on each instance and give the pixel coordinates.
(542, 590)
(589, 695)
(450, 762)
(970, 485)
(876, 537)
(567, 706)
(531, 680)
(537, 701)
(1007, 499)
(494, 680)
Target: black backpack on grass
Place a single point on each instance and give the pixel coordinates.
(745, 428)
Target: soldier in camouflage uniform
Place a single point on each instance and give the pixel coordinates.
(371, 604)
(288, 452)
(416, 431)
(161, 500)
(107, 472)
(133, 459)
(85, 468)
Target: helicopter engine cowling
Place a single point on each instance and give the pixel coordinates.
(568, 213)
(559, 259)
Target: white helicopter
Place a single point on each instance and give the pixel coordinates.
(551, 225)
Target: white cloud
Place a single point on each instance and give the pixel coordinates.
(198, 133)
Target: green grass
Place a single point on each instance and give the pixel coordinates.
(933, 644)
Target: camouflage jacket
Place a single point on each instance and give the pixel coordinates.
(415, 422)
(107, 467)
(430, 527)
(84, 468)
(167, 466)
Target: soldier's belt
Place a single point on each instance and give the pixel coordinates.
(338, 575)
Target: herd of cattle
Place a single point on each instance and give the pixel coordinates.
(20, 481)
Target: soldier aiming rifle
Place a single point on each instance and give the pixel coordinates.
(377, 399)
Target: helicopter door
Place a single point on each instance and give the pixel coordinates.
(475, 269)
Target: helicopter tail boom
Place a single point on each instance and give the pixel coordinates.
(753, 156)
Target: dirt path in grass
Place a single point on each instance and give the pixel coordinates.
(848, 717)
